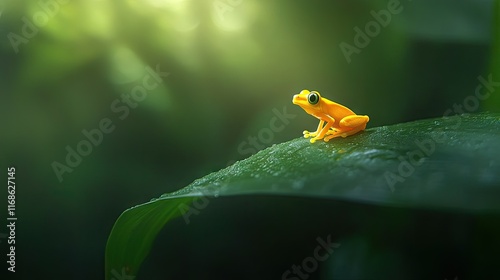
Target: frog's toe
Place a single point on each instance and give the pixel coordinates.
(331, 136)
(312, 140)
(329, 132)
(308, 134)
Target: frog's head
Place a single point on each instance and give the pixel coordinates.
(308, 100)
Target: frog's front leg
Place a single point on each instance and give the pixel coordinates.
(325, 130)
(348, 126)
(308, 134)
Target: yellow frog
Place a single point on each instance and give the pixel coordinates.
(340, 120)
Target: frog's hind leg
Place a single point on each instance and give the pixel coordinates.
(348, 126)
(354, 121)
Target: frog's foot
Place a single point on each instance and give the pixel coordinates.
(318, 131)
(343, 133)
(333, 135)
(308, 134)
(332, 131)
(315, 138)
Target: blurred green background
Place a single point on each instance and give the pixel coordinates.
(231, 65)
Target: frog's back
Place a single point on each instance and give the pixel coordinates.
(336, 110)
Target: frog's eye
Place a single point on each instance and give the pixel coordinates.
(313, 98)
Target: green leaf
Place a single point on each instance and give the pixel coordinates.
(447, 163)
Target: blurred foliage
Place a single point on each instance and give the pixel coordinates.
(493, 103)
(64, 63)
